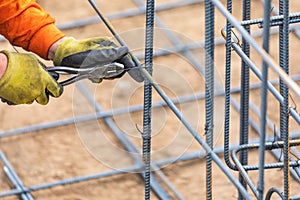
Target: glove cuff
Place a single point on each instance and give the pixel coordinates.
(8, 72)
(8, 77)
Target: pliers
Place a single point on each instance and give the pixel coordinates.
(95, 73)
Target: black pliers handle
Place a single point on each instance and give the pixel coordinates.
(95, 73)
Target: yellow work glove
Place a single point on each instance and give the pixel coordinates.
(88, 52)
(91, 52)
(26, 80)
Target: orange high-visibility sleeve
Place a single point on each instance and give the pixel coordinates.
(24, 23)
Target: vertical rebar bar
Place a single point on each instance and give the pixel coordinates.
(148, 95)
(264, 95)
(209, 89)
(227, 90)
(284, 114)
(244, 112)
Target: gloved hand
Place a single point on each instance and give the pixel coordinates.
(94, 51)
(26, 80)
(88, 52)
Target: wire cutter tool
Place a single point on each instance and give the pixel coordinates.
(95, 73)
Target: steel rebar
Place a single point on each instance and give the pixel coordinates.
(273, 190)
(244, 97)
(227, 90)
(150, 15)
(209, 90)
(264, 96)
(274, 20)
(284, 114)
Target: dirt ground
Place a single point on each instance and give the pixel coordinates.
(85, 148)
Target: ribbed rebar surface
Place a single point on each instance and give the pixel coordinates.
(244, 99)
(148, 95)
(284, 91)
(209, 89)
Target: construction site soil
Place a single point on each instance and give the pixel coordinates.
(90, 147)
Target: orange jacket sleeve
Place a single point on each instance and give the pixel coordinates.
(24, 23)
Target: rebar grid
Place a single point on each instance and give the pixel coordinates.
(282, 140)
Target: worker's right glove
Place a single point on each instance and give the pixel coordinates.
(88, 52)
(26, 80)
(94, 51)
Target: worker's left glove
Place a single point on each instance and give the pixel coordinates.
(89, 52)
(26, 80)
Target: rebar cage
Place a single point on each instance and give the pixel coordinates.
(242, 56)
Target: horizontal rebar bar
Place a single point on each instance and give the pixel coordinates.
(293, 28)
(269, 146)
(126, 13)
(218, 150)
(274, 20)
(133, 168)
